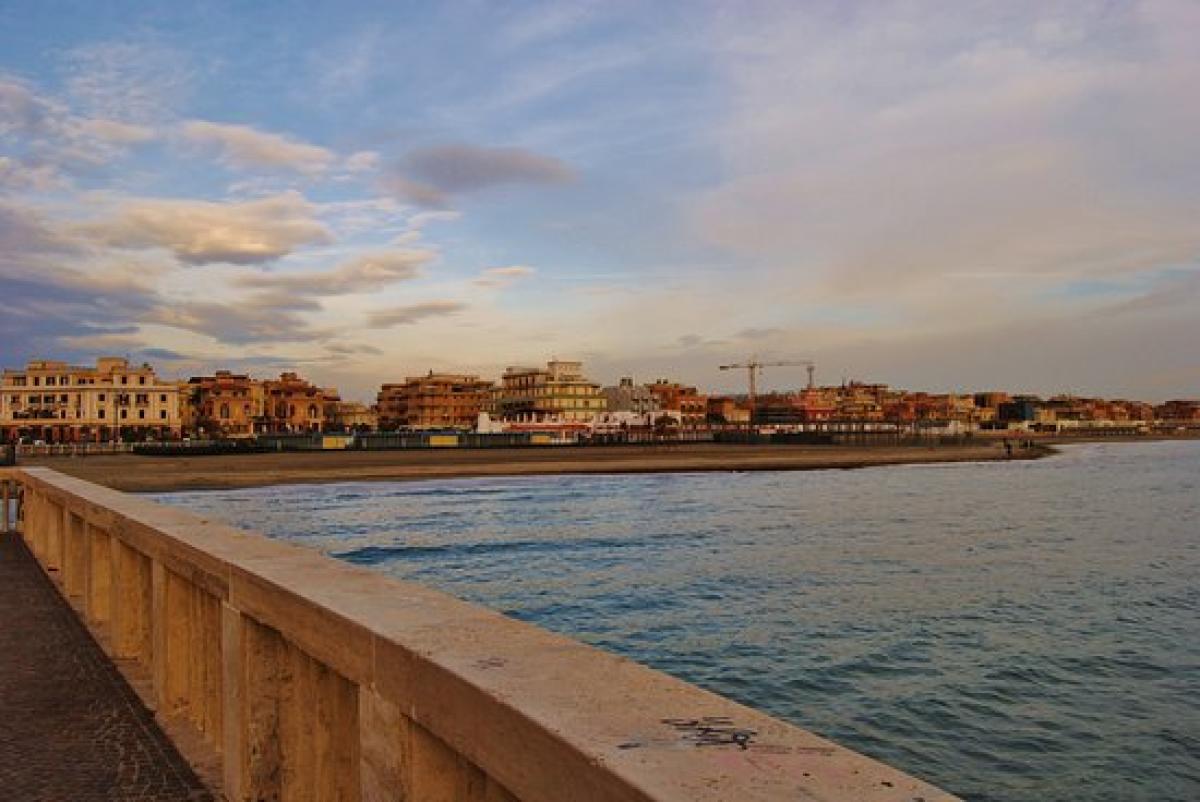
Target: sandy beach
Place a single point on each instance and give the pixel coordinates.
(157, 474)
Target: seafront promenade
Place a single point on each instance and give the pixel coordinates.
(71, 727)
(283, 674)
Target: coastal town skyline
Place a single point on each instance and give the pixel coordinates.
(51, 401)
(979, 196)
(734, 385)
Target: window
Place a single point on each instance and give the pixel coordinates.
(224, 412)
(124, 414)
(50, 381)
(101, 397)
(124, 380)
(162, 398)
(62, 398)
(162, 414)
(37, 381)
(141, 414)
(100, 414)
(141, 379)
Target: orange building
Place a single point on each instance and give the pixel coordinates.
(434, 401)
(226, 404)
(691, 406)
(292, 404)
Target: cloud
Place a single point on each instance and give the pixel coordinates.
(754, 333)
(16, 176)
(24, 233)
(362, 161)
(241, 146)
(545, 23)
(262, 317)
(45, 139)
(428, 176)
(365, 273)
(349, 349)
(205, 232)
(503, 276)
(413, 313)
(875, 154)
(22, 111)
(45, 301)
(118, 132)
(414, 191)
(165, 354)
(132, 81)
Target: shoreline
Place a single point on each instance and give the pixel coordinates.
(143, 474)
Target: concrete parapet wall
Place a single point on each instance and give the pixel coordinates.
(314, 679)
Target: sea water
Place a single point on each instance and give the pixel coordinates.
(1008, 631)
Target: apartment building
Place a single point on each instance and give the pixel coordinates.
(626, 396)
(225, 404)
(56, 402)
(292, 404)
(434, 401)
(690, 406)
(559, 393)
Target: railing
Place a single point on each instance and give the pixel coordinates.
(314, 679)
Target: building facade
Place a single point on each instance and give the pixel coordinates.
(292, 404)
(626, 396)
(558, 393)
(434, 401)
(725, 411)
(55, 402)
(226, 404)
(689, 405)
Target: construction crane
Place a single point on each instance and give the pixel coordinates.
(753, 369)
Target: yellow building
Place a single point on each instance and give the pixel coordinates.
(559, 393)
(55, 402)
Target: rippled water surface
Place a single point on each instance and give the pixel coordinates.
(1016, 631)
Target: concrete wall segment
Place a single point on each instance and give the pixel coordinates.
(478, 706)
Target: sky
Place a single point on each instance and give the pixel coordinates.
(944, 196)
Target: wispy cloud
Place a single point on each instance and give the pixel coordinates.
(503, 276)
(129, 81)
(365, 273)
(412, 313)
(241, 146)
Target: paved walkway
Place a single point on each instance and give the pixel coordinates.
(71, 728)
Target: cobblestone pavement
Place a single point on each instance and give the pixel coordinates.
(71, 728)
